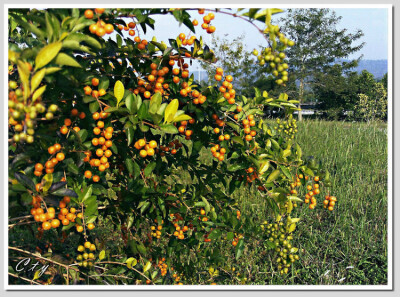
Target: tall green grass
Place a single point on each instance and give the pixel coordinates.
(348, 245)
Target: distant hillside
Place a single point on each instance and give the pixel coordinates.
(378, 68)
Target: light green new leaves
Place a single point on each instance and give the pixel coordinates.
(273, 176)
(171, 110)
(102, 255)
(131, 262)
(37, 79)
(64, 59)
(38, 93)
(171, 114)
(147, 266)
(46, 54)
(119, 90)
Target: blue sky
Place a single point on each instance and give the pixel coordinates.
(372, 21)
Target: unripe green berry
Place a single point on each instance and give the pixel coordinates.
(49, 116)
(12, 84)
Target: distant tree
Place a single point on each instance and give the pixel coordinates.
(372, 106)
(234, 57)
(384, 81)
(338, 93)
(319, 45)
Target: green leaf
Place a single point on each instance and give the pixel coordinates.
(149, 168)
(130, 103)
(215, 234)
(229, 236)
(170, 129)
(87, 193)
(286, 172)
(129, 134)
(64, 59)
(239, 248)
(273, 176)
(235, 167)
(24, 180)
(38, 93)
(65, 192)
(207, 207)
(182, 117)
(119, 90)
(129, 165)
(155, 103)
(171, 110)
(73, 168)
(263, 167)
(91, 206)
(136, 170)
(24, 73)
(131, 262)
(94, 106)
(102, 255)
(238, 139)
(46, 54)
(37, 79)
(79, 37)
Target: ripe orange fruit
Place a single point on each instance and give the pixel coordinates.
(249, 137)
(90, 226)
(102, 92)
(143, 153)
(132, 25)
(67, 122)
(100, 124)
(99, 10)
(55, 223)
(38, 167)
(153, 144)
(96, 178)
(60, 157)
(88, 174)
(65, 222)
(109, 28)
(89, 14)
(95, 81)
(96, 116)
(46, 226)
(229, 78)
(100, 32)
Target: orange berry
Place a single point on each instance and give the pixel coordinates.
(89, 14)
(109, 28)
(99, 10)
(88, 174)
(60, 157)
(95, 81)
(96, 116)
(96, 178)
(55, 223)
(67, 122)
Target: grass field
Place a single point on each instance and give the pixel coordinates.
(349, 245)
